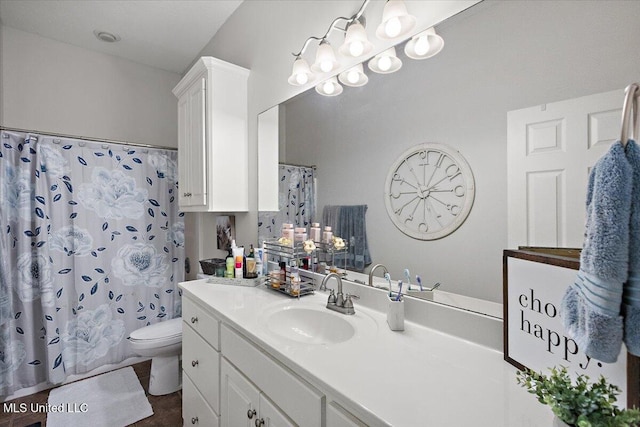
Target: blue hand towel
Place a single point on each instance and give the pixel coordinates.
(591, 306)
(631, 296)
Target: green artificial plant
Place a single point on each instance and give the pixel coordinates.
(580, 404)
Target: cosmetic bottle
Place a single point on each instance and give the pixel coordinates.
(315, 232)
(230, 265)
(327, 235)
(238, 255)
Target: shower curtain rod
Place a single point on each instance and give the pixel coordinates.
(314, 167)
(87, 138)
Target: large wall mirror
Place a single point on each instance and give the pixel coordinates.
(498, 57)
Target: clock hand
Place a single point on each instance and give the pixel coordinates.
(399, 210)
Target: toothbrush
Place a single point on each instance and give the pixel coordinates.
(407, 276)
(419, 280)
(387, 276)
(399, 290)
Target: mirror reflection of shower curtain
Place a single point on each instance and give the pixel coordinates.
(93, 248)
(297, 202)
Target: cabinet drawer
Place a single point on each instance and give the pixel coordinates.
(201, 363)
(202, 322)
(195, 410)
(298, 399)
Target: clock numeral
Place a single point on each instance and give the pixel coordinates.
(452, 171)
(454, 209)
(423, 227)
(458, 191)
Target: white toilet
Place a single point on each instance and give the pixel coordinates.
(163, 343)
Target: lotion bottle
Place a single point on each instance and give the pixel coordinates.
(238, 255)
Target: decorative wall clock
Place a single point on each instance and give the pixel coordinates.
(429, 191)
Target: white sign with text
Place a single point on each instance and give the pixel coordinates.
(536, 337)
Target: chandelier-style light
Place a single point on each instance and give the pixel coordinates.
(356, 43)
(385, 62)
(396, 23)
(301, 73)
(424, 45)
(325, 59)
(354, 77)
(329, 87)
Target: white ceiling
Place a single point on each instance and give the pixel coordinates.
(166, 34)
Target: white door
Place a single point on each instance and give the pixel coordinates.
(550, 150)
(240, 399)
(192, 145)
(271, 416)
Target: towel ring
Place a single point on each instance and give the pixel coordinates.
(630, 112)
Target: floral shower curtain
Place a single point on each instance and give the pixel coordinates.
(297, 202)
(92, 248)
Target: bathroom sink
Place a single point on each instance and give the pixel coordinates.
(310, 326)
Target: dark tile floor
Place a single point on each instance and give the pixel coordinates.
(167, 410)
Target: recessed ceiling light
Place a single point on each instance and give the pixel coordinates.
(106, 36)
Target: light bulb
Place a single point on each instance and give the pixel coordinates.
(422, 46)
(328, 88)
(393, 27)
(356, 48)
(326, 66)
(302, 78)
(353, 76)
(384, 63)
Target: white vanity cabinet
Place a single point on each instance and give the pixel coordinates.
(212, 137)
(200, 366)
(279, 391)
(244, 405)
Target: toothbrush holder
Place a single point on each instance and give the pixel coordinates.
(395, 314)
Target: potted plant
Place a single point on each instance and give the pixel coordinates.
(579, 403)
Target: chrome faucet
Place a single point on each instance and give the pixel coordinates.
(338, 302)
(373, 269)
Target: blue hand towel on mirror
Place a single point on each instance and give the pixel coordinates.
(631, 294)
(591, 305)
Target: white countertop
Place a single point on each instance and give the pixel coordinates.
(417, 377)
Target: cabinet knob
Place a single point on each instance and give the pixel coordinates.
(194, 319)
(194, 363)
(251, 413)
(259, 422)
(194, 420)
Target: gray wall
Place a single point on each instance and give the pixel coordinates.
(497, 57)
(56, 87)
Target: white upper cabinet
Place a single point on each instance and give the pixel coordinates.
(212, 137)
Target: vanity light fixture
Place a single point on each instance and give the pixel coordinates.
(356, 43)
(396, 21)
(329, 87)
(424, 45)
(301, 73)
(385, 62)
(325, 58)
(354, 77)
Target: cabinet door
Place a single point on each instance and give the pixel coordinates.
(239, 398)
(192, 145)
(271, 415)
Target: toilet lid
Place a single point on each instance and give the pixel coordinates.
(159, 331)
